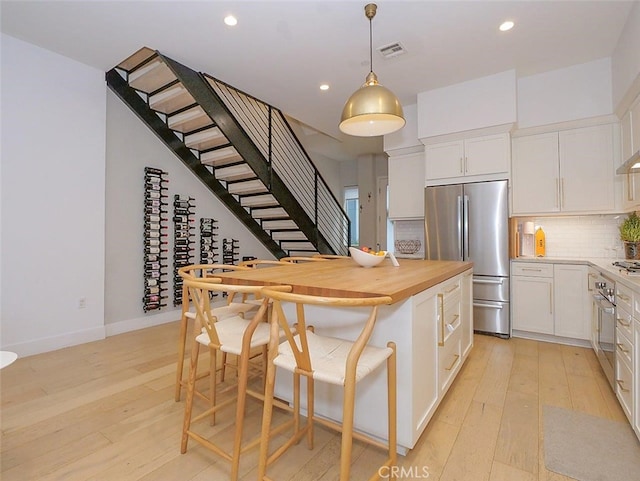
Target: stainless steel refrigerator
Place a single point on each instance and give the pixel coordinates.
(470, 222)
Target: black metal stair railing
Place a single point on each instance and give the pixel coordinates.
(261, 137)
(272, 134)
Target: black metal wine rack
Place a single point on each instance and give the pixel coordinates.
(183, 218)
(208, 241)
(230, 251)
(155, 239)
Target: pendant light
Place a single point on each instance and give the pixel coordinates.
(372, 109)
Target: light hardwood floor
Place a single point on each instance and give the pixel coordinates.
(105, 411)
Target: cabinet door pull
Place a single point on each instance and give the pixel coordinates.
(630, 189)
(557, 193)
(622, 348)
(441, 309)
(461, 166)
(455, 360)
(623, 297)
(531, 269)
(562, 202)
(550, 298)
(620, 383)
(623, 323)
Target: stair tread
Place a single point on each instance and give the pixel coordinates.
(152, 76)
(171, 99)
(205, 139)
(136, 59)
(251, 186)
(189, 120)
(221, 156)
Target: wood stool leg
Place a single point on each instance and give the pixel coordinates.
(213, 366)
(243, 375)
(223, 368)
(182, 340)
(267, 412)
(347, 427)
(392, 401)
(310, 411)
(191, 385)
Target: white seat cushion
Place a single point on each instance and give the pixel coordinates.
(230, 332)
(329, 358)
(223, 312)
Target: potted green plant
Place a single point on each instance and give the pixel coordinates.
(630, 235)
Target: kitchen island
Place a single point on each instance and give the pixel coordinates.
(430, 320)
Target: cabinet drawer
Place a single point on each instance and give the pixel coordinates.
(624, 297)
(624, 322)
(624, 348)
(449, 359)
(624, 387)
(532, 269)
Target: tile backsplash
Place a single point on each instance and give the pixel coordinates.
(587, 236)
(410, 230)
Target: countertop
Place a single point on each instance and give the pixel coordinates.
(345, 278)
(604, 265)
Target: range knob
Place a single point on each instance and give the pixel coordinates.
(600, 285)
(609, 292)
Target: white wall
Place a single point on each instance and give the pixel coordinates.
(626, 58)
(572, 93)
(407, 136)
(475, 104)
(131, 146)
(53, 199)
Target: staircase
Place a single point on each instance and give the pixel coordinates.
(243, 149)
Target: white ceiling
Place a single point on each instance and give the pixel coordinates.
(280, 52)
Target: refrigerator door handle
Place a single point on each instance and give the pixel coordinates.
(460, 228)
(466, 228)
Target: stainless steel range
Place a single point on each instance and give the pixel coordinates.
(605, 299)
(630, 268)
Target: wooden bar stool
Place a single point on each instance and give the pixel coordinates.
(233, 335)
(205, 272)
(326, 359)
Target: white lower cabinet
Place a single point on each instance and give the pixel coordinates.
(551, 299)
(532, 297)
(571, 301)
(441, 336)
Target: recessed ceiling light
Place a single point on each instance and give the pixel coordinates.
(324, 87)
(230, 20)
(508, 25)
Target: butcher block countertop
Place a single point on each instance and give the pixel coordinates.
(345, 278)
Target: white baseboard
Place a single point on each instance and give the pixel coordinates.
(141, 322)
(550, 338)
(53, 343)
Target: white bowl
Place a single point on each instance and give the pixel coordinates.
(364, 258)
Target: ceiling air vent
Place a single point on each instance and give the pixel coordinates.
(391, 50)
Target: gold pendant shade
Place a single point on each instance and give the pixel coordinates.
(372, 109)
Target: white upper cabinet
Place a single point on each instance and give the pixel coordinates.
(535, 170)
(477, 156)
(587, 169)
(406, 186)
(571, 171)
